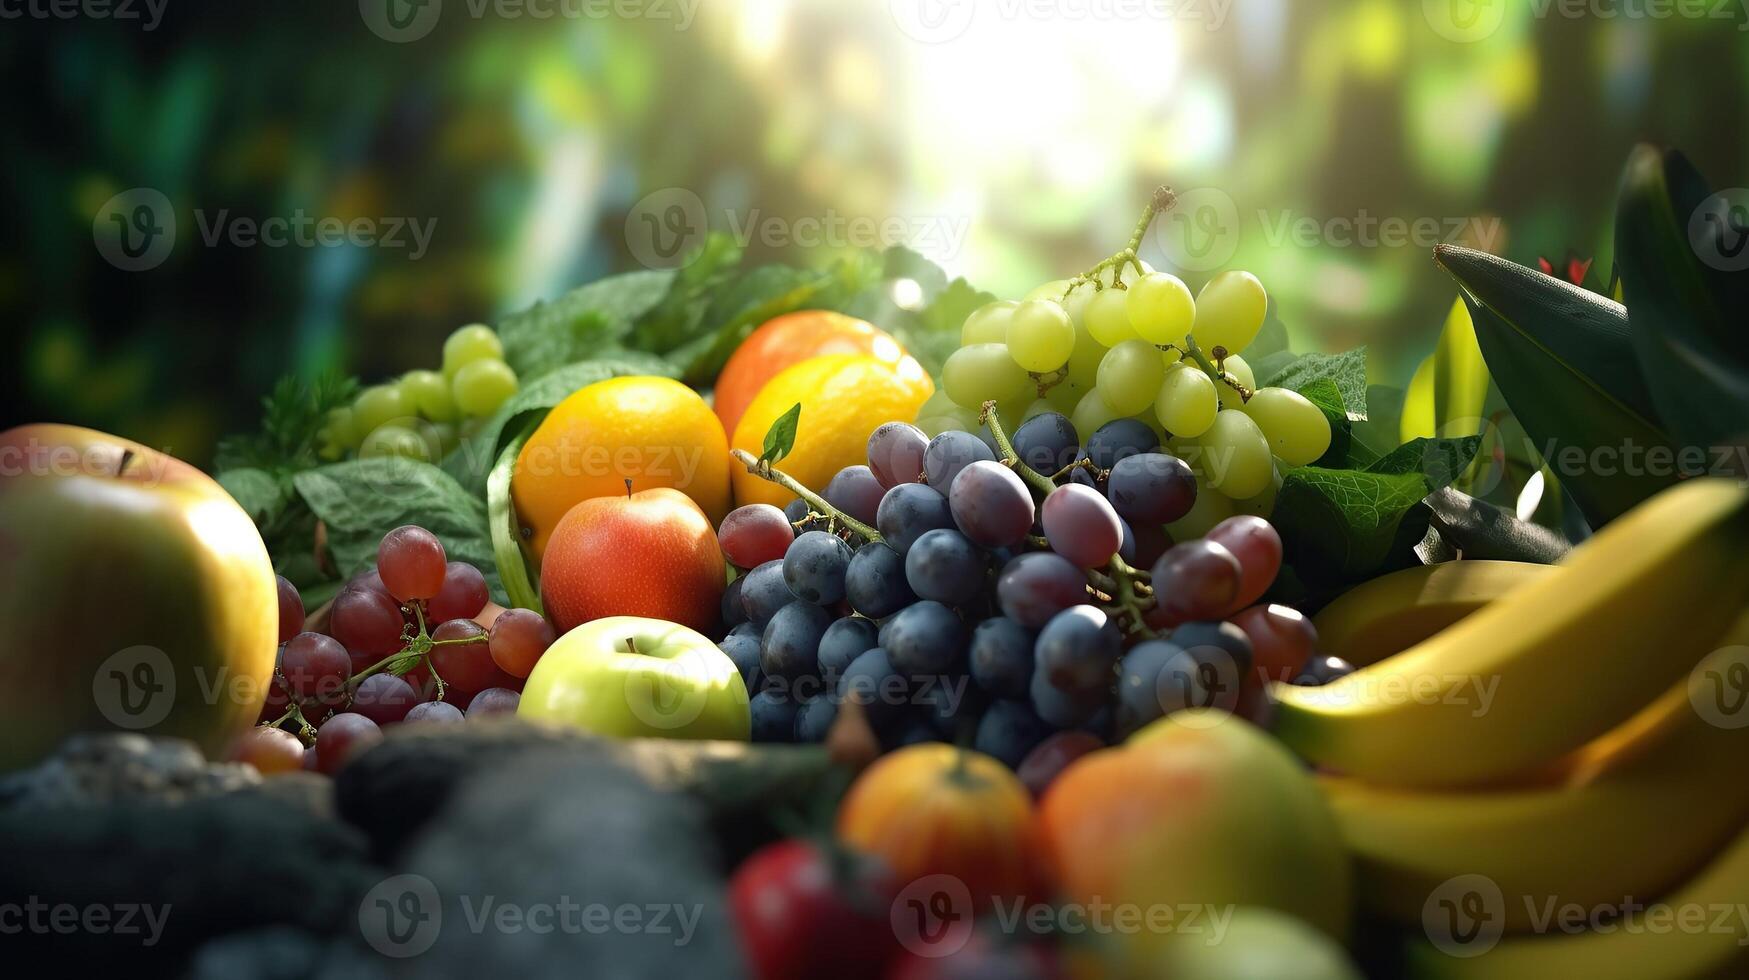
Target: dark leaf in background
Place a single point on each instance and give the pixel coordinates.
(1561, 357)
(1685, 272)
(1478, 529)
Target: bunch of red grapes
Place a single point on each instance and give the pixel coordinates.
(415, 639)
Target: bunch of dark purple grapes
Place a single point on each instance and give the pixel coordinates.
(997, 592)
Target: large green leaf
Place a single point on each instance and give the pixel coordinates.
(1685, 299)
(581, 324)
(1562, 359)
(1450, 388)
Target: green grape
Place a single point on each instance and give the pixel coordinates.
(1091, 412)
(1161, 309)
(396, 440)
(337, 435)
(1235, 368)
(1297, 430)
(1108, 317)
(446, 436)
(947, 418)
(1186, 401)
(1064, 396)
(430, 395)
(482, 386)
(1236, 455)
(475, 342)
(1263, 504)
(1040, 335)
(1049, 290)
(1075, 304)
(1130, 376)
(1039, 406)
(1229, 312)
(1211, 508)
(988, 324)
(378, 405)
(1084, 361)
(976, 374)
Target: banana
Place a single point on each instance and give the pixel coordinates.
(1699, 931)
(1391, 613)
(1548, 668)
(1632, 814)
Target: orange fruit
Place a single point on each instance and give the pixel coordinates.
(655, 432)
(788, 339)
(844, 397)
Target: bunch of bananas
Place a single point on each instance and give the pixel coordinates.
(1537, 785)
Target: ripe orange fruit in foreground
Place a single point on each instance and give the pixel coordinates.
(655, 432)
(934, 809)
(844, 397)
(785, 340)
(652, 554)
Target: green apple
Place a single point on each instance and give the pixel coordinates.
(134, 594)
(629, 676)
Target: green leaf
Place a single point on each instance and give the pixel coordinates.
(581, 324)
(680, 315)
(762, 294)
(781, 437)
(1450, 387)
(1686, 304)
(1347, 370)
(361, 500)
(258, 492)
(1344, 523)
(1344, 451)
(519, 588)
(1560, 357)
(470, 462)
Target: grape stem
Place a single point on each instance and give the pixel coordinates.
(1039, 482)
(1161, 201)
(1216, 368)
(1131, 594)
(765, 471)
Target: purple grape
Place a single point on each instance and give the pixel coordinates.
(435, 712)
(991, 504)
(494, 701)
(1118, 439)
(907, 511)
(1038, 585)
(814, 567)
(1195, 580)
(944, 566)
(1047, 442)
(895, 453)
(1077, 650)
(875, 583)
(1151, 488)
(855, 491)
(951, 452)
(1001, 657)
(1081, 526)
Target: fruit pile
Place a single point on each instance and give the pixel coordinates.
(416, 639)
(426, 413)
(954, 592)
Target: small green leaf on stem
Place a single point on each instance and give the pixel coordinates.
(781, 437)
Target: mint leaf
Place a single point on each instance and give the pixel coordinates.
(1346, 370)
(781, 437)
(580, 324)
(1343, 524)
(360, 501)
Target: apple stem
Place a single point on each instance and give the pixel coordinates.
(765, 471)
(632, 644)
(628, 489)
(127, 456)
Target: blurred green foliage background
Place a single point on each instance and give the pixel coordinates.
(1010, 141)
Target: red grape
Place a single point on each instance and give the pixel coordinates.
(269, 750)
(463, 594)
(411, 562)
(1053, 755)
(494, 701)
(1034, 587)
(1195, 580)
(518, 639)
(1255, 543)
(1282, 641)
(468, 667)
(291, 610)
(367, 621)
(755, 534)
(895, 453)
(1081, 526)
(435, 712)
(315, 667)
(341, 736)
(384, 698)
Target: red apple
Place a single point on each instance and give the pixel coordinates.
(652, 554)
(134, 594)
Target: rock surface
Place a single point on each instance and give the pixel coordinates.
(107, 768)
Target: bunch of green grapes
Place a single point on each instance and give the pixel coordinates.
(1097, 350)
(425, 414)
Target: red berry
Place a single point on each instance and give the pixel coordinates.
(411, 562)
